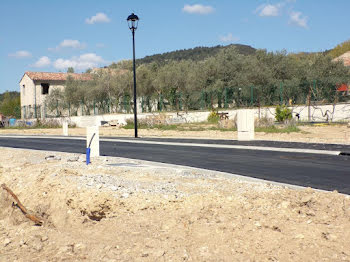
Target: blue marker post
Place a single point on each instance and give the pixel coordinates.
(88, 150)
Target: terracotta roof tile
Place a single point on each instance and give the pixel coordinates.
(57, 76)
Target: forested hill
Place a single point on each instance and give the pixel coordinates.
(12, 94)
(195, 54)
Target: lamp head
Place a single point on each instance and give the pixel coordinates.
(133, 21)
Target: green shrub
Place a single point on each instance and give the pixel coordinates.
(213, 117)
(283, 113)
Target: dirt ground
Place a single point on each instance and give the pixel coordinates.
(339, 134)
(126, 210)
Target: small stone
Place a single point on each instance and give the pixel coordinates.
(310, 213)
(79, 247)
(257, 224)
(7, 241)
(306, 199)
(73, 159)
(52, 157)
(285, 204)
(114, 188)
(66, 249)
(44, 238)
(99, 186)
(22, 242)
(38, 246)
(299, 236)
(125, 195)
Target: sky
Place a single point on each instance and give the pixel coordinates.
(50, 36)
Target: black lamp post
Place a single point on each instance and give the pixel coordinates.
(133, 22)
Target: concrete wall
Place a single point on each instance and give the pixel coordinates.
(339, 112)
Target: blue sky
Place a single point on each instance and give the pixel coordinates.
(41, 35)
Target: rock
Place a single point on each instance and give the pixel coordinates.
(73, 159)
(299, 236)
(44, 238)
(22, 243)
(114, 188)
(257, 224)
(285, 204)
(66, 249)
(7, 241)
(36, 245)
(125, 195)
(79, 247)
(306, 200)
(310, 213)
(52, 157)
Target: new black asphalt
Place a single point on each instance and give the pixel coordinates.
(261, 143)
(328, 172)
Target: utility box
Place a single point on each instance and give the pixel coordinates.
(245, 124)
(93, 140)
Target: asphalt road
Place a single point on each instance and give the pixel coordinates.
(318, 171)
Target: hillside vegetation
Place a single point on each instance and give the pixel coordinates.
(195, 54)
(340, 49)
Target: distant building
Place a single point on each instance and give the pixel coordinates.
(35, 86)
(345, 58)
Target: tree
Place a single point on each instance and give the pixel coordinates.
(10, 105)
(70, 70)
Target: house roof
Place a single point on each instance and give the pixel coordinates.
(46, 76)
(345, 58)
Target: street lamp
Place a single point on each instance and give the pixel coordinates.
(133, 22)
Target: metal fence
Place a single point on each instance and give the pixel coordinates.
(206, 99)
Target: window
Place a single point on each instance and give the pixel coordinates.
(44, 88)
(24, 89)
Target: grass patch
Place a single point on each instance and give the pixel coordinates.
(208, 126)
(214, 128)
(39, 124)
(144, 126)
(274, 129)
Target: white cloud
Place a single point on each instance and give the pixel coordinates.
(198, 9)
(98, 18)
(100, 45)
(269, 10)
(82, 62)
(21, 54)
(297, 18)
(229, 38)
(68, 43)
(42, 62)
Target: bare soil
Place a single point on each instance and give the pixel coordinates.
(126, 210)
(339, 134)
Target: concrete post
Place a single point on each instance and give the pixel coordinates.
(95, 142)
(245, 124)
(65, 127)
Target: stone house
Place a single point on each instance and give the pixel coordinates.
(35, 86)
(345, 58)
